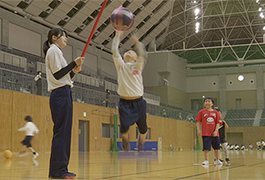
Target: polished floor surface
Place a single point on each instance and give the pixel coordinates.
(248, 165)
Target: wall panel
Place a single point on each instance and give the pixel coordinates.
(15, 106)
(24, 39)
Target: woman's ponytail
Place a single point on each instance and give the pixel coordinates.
(46, 46)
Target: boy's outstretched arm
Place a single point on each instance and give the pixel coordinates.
(139, 48)
(115, 43)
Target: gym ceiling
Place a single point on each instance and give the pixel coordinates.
(228, 32)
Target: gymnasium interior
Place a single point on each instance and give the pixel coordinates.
(196, 48)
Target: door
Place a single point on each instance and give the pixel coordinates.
(83, 135)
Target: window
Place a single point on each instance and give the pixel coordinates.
(196, 104)
(108, 131)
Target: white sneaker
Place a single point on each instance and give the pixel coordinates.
(35, 155)
(206, 162)
(218, 162)
(227, 162)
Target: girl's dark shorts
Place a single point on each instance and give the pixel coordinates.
(27, 141)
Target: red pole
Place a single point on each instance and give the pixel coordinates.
(94, 27)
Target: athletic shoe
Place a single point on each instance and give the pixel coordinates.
(125, 144)
(227, 162)
(216, 162)
(206, 162)
(71, 174)
(35, 155)
(67, 175)
(219, 162)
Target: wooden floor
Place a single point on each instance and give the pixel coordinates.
(139, 165)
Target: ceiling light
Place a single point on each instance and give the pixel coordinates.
(240, 78)
(197, 27)
(261, 15)
(196, 11)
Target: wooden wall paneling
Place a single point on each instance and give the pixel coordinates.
(250, 134)
(43, 120)
(15, 106)
(6, 111)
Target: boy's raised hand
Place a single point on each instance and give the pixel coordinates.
(119, 34)
(134, 38)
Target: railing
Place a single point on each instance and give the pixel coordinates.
(25, 83)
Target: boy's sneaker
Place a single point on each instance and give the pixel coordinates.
(227, 162)
(219, 162)
(216, 162)
(206, 162)
(35, 155)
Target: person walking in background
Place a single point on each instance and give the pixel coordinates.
(59, 79)
(30, 130)
(208, 122)
(132, 106)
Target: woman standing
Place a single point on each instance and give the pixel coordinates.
(59, 77)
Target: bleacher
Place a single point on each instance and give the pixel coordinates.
(91, 89)
(262, 120)
(240, 117)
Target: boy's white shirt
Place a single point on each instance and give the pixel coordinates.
(30, 128)
(130, 80)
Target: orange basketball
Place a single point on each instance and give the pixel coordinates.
(7, 154)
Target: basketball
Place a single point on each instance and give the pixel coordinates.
(121, 19)
(7, 154)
